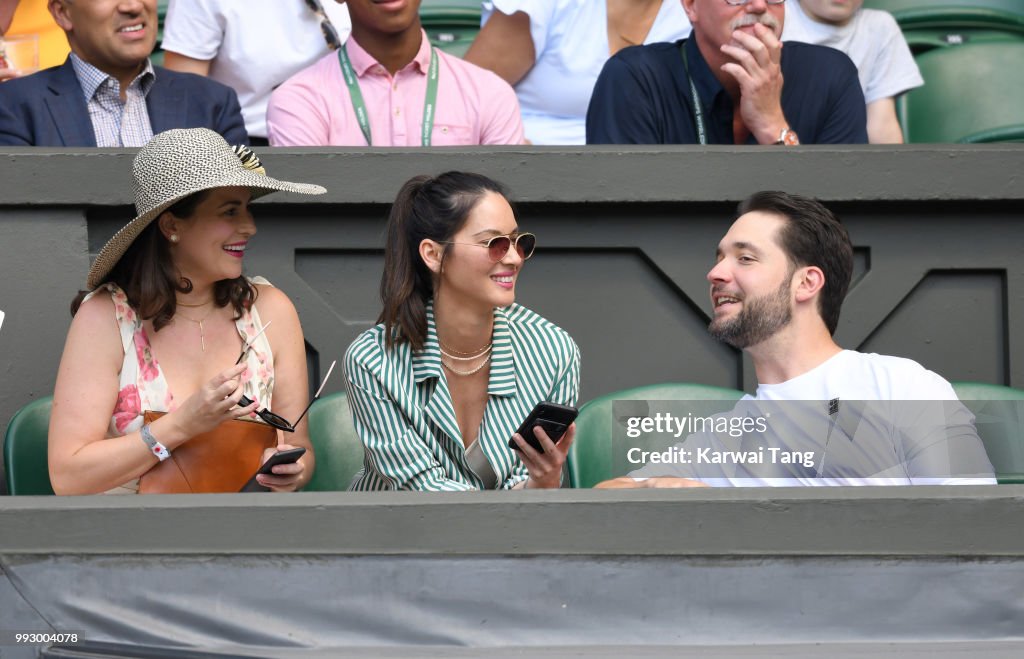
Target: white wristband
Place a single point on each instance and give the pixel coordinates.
(155, 447)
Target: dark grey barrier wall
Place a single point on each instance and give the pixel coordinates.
(626, 236)
(313, 574)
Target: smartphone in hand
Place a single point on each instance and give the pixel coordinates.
(285, 457)
(552, 417)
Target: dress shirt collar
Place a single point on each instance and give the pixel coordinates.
(90, 78)
(363, 62)
(426, 363)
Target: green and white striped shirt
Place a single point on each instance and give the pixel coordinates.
(403, 411)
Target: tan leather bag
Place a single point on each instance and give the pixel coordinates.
(221, 460)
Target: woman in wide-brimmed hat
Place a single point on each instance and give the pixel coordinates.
(161, 327)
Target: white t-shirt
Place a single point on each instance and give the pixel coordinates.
(874, 42)
(252, 45)
(570, 39)
(866, 419)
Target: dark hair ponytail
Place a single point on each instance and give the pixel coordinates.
(426, 207)
(405, 287)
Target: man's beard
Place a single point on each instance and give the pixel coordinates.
(759, 320)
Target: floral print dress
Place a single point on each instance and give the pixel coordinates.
(142, 386)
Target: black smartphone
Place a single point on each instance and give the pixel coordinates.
(285, 457)
(552, 417)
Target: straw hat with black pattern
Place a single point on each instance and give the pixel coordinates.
(175, 164)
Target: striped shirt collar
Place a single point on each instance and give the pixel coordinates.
(426, 363)
(90, 78)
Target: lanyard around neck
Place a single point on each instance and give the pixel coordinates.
(429, 103)
(698, 109)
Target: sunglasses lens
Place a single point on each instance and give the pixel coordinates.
(498, 247)
(525, 244)
(275, 420)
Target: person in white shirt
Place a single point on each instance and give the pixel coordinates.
(848, 418)
(873, 40)
(252, 46)
(552, 51)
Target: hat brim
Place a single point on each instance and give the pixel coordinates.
(259, 184)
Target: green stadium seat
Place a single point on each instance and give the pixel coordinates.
(590, 456)
(339, 451)
(451, 25)
(900, 7)
(972, 93)
(25, 464)
(923, 40)
(999, 417)
(928, 24)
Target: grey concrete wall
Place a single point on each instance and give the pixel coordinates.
(921, 522)
(626, 237)
(285, 575)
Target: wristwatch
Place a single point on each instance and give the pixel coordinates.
(788, 138)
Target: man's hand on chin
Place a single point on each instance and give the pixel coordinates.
(758, 71)
(658, 482)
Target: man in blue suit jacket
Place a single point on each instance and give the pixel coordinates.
(111, 40)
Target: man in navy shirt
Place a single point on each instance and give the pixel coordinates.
(724, 85)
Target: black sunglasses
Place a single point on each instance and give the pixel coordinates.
(276, 420)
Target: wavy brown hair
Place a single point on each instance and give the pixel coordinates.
(148, 277)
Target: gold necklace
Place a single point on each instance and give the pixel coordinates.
(193, 306)
(452, 352)
(202, 335)
(465, 373)
(480, 354)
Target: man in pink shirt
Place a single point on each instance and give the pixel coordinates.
(388, 87)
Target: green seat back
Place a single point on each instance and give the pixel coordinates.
(900, 7)
(338, 449)
(999, 417)
(928, 24)
(972, 93)
(921, 41)
(960, 18)
(25, 449)
(590, 456)
(451, 25)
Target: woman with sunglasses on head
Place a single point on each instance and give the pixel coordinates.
(170, 325)
(439, 387)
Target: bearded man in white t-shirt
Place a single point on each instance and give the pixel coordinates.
(821, 415)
